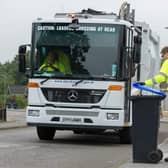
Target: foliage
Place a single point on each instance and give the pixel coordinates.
(21, 101)
(10, 71)
(16, 101)
(10, 76)
(2, 101)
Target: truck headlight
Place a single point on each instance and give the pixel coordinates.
(34, 113)
(112, 116)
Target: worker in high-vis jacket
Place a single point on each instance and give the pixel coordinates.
(56, 61)
(162, 76)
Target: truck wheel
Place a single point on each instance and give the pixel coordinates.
(155, 156)
(125, 135)
(45, 133)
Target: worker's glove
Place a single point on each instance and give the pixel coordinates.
(141, 83)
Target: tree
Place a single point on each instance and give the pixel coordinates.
(9, 76)
(10, 70)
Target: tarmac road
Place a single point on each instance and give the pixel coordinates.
(21, 148)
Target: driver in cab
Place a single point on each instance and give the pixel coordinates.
(56, 61)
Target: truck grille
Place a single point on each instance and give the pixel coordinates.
(73, 95)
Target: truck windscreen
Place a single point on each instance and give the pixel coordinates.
(89, 50)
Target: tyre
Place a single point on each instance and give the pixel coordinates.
(125, 135)
(45, 133)
(155, 156)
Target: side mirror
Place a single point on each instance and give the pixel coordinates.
(137, 49)
(22, 57)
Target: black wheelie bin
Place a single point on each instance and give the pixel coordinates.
(146, 121)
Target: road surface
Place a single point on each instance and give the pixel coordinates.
(21, 148)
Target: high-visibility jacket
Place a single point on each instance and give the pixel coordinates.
(162, 76)
(49, 67)
(61, 65)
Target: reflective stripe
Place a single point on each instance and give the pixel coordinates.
(164, 75)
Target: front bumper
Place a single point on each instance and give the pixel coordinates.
(70, 118)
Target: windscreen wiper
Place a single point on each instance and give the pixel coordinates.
(79, 81)
(103, 77)
(45, 80)
(49, 77)
(84, 78)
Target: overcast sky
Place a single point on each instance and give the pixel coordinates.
(16, 17)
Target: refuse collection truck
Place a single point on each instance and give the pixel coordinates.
(104, 53)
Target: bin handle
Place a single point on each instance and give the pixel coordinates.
(142, 87)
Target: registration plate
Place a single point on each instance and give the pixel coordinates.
(70, 119)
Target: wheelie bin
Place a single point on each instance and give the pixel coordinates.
(146, 119)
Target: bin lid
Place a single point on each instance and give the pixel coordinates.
(142, 87)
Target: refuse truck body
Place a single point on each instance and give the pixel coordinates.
(105, 53)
